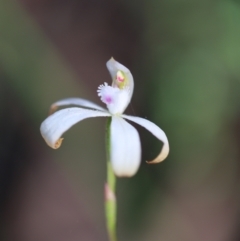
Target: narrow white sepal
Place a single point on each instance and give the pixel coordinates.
(113, 67)
(56, 124)
(78, 102)
(157, 132)
(125, 148)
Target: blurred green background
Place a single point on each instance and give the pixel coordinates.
(184, 56)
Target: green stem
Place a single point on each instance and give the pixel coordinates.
(110, 197)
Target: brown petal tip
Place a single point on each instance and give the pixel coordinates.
(151, 162)
(52, 109)
(156, 161)
(58, 143)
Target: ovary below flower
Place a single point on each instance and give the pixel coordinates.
(125, 146)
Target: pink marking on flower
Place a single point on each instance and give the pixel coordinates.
(109, 194)
(108, 99)
(106, 93)
(120, 79)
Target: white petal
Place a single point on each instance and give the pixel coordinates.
(156, 131)
(76, 101)
(113, 97)
(125, 148)
(113, 67)
(56, 124)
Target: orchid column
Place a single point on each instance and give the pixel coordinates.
(123, 142)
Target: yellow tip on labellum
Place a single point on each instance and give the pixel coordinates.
(58, 143)
(120, 80)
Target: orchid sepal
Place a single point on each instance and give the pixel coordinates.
(122, 80)
(157, 132)
(56, 124)
(76, 102)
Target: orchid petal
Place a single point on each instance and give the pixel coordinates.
(56, 124)
(75, 101)
(157, 132)
(114, 98)
(120, 73)
(125, 147)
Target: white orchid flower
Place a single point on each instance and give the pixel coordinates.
(125, 146)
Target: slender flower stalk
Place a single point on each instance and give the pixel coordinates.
(110, 196)
(123, 142)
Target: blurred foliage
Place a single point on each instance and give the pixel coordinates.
(31, 62)
(190, 67)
